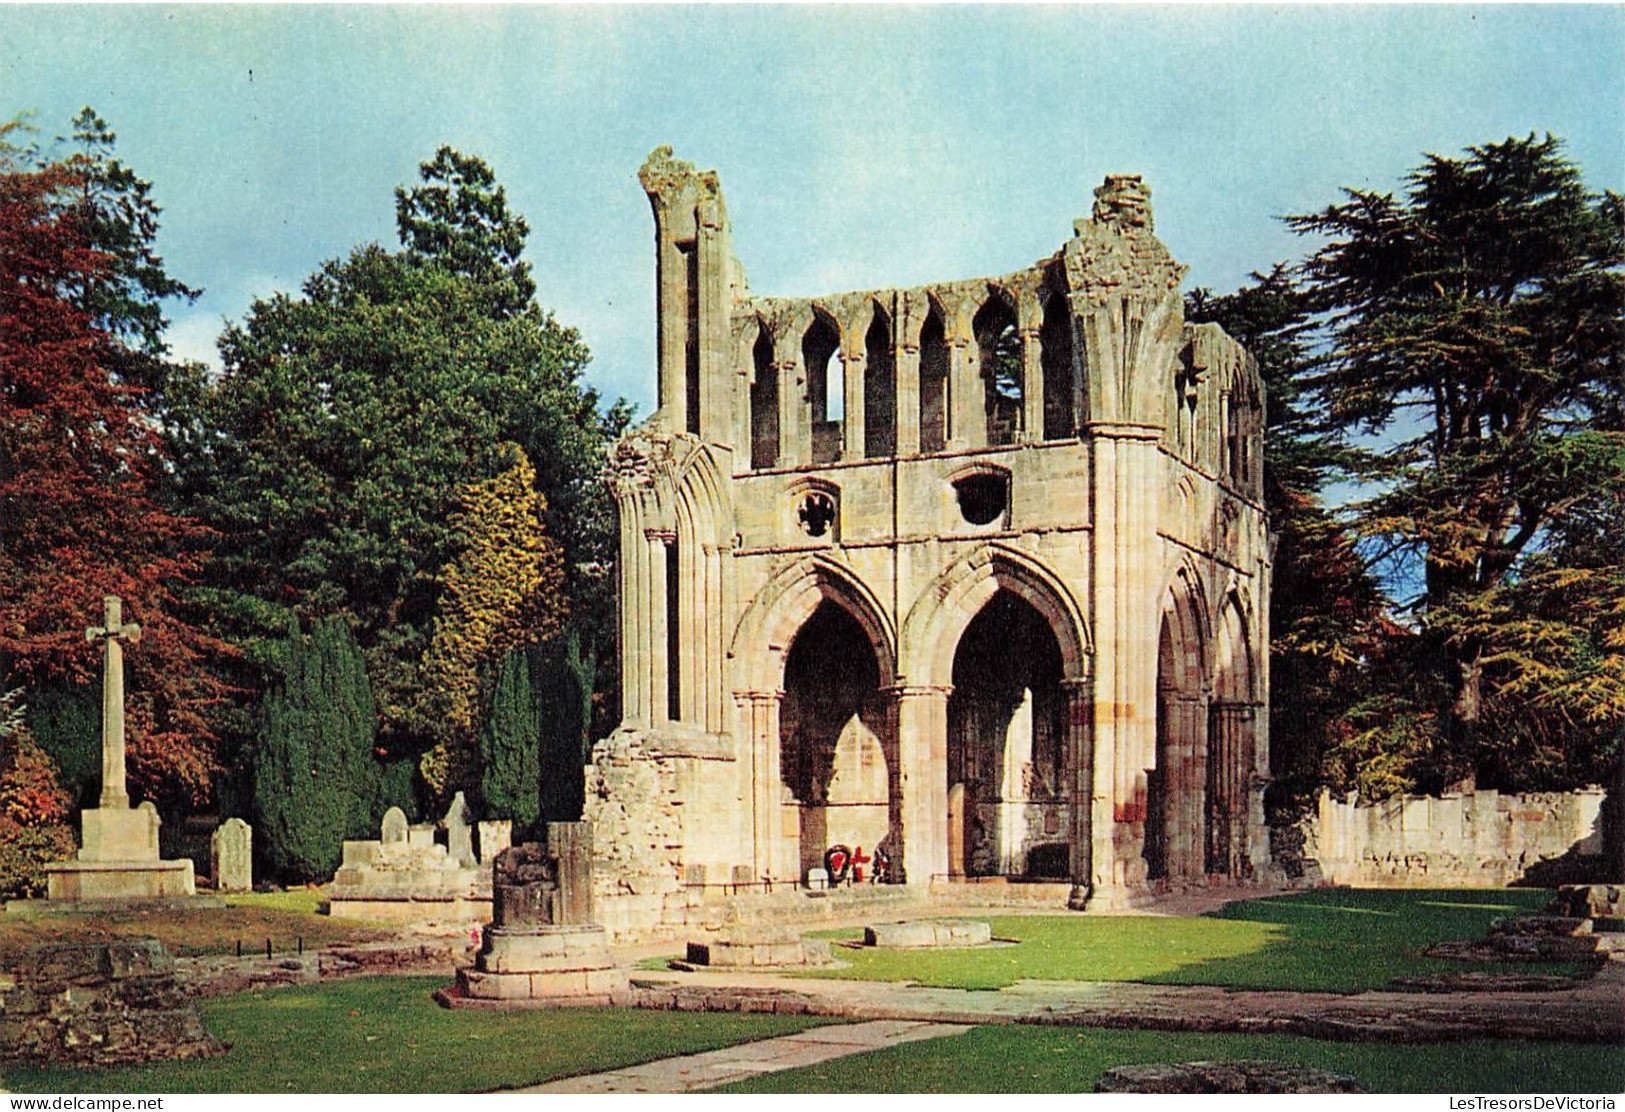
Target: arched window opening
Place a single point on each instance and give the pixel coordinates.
(826, 389)
(933, 385)
(836, 751)
(691, 337)
(764, 405)
(999, 345)
(879, 391)
(1055, 348)
(1006, 759)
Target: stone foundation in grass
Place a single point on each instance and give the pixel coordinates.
(99, 1004)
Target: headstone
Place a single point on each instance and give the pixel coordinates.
(231, 849)
(394, 827)
(496, 835)
(460, 832)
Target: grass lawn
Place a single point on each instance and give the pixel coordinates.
(283, 917)
(384, 1035)
(1334, 940)
(1020, 1059)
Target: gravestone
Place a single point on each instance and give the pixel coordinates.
(542, 944)
(231, 850)
(118, 856)
(393, 831)
(460, 832)
(496, 835)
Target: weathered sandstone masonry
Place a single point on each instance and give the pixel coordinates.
(970, 577)
(1480, 839)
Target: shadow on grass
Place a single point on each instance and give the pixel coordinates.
(1019, 1059)
(1327, 940)
(1350, 940)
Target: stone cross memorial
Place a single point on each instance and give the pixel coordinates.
(118, 855)
(110, 633)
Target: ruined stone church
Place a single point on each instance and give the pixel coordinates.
(970, 578)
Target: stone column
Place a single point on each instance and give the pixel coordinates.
(795, 424)
(852, 420)
(1032, 388)
(1232, 779)
(1078, 747)
(654, 662)
(1125, 483)
(907, 404)
(922, 756)
(1185, 781)
(967, 415)
(762, 710)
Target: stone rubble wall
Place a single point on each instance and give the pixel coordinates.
(1476, 839)
(99, 1005)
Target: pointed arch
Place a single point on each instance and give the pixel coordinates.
(940, 614)
(769, 627)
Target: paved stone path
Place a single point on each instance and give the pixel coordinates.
(735, 1063)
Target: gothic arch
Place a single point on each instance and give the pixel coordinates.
(784, 604)
(931, 631)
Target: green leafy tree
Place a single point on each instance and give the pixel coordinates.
(331, 453)
(114, 210)
(1476, 330)
(562, 675)
(315, 777)
(510, 742)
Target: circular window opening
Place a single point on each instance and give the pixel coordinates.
(982, 498)
(816, 513)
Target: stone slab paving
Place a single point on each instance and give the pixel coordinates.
(735, 1063)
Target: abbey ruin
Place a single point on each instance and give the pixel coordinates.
(970, 578)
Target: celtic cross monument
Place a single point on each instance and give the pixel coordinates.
(118, 855)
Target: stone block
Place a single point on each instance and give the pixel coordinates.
(138, 957)
(115, 834)
(928, 933)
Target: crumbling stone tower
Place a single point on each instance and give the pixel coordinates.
(975, 573)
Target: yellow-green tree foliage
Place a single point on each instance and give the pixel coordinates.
(503, 591)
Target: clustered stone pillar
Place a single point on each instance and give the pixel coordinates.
(1185, 781)
(1230, 782)
(922, 754)
(762, 709)
(1078, 750)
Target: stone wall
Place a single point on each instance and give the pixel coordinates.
(99, 1004)
(1474, 838)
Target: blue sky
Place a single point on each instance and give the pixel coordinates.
(858, 146)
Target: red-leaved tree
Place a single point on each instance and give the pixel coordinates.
(78, 515)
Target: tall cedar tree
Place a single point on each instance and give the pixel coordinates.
(315, 780)
(1476, 324)
(78, 469)
(503, 591)
(1326, 609)
(331, 453)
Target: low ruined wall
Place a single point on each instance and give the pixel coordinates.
(1471, 839)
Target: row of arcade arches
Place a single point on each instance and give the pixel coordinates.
(1009, 651)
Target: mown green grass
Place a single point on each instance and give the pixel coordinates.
(1021, 1059)
(385, 1035)
(1330, 940)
